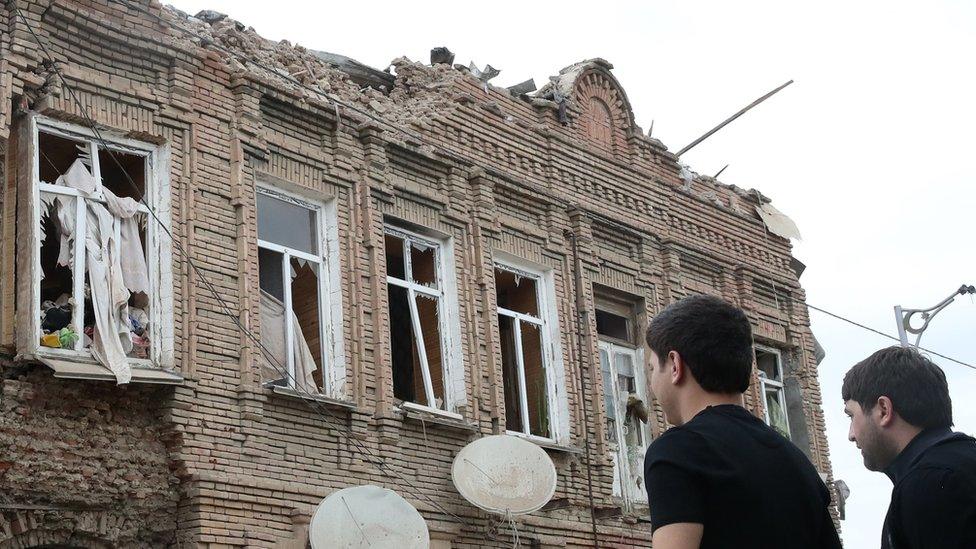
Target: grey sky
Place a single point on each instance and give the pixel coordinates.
(869, 151)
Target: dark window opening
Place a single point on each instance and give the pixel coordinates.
(613, 325)
(423, 264)
(408, 381)
(517, 293)
(56, 154)
(114, 178)
(395, 265)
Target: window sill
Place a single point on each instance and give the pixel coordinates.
(546, 443)
(328, 401)
(424, 414)
(82, 369)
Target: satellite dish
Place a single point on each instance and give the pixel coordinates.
(367, 516)
(504, 474)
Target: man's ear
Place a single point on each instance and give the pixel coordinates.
(677, 367)
(884, 411)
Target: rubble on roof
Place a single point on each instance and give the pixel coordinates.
(415, 93)
(561, 86)
(522, 88)
(362, 74)
(441, 56)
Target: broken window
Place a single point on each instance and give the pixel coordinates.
(770, 366)
(291, 275)
(625, 394)
(418, 323)
(96, 287)
(525, 352)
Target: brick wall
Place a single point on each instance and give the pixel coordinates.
(84, 461)
(564, 179)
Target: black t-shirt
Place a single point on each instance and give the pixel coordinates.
(748, 486)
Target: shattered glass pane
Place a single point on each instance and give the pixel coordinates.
(57, 280)
(286, 224)
(423, 264)
(269, 272)
(506, 332)
(394, 257)
(113, 177)
(431, 335)
(306, 306)
(536, 386)
(516, 293)
(56, 154)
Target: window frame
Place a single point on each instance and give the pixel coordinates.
(548, 322)
(447, 315)
(158, 249)
(621, 464)
(607, 300)
(329, 280)
(778, 386)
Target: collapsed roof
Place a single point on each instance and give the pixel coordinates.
(409, 93)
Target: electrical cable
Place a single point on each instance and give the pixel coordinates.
(889, 336)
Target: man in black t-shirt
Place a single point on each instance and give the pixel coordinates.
(900, 410)
(721, 477)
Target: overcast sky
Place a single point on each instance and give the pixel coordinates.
(869, 151)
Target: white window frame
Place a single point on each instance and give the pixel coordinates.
(447, 315)
(612, 346)
(773, 385)
(158, 248)
(330, 295)
(548, 323)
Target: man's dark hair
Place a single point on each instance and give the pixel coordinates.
(712, 336)
(916, 386)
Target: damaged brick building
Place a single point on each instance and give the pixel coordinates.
(425, 258)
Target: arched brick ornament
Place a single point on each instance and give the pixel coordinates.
(597, 122)
(605, 116)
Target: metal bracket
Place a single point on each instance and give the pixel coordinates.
(903, 317)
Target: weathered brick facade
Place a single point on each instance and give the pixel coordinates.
(563, 179)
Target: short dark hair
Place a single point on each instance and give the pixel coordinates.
(916, 386)
(712, 336)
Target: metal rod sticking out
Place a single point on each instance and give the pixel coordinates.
(730, 119)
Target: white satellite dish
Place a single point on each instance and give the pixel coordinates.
(504, 474)
(367, 516)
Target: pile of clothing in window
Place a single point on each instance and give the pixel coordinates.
(57, 331)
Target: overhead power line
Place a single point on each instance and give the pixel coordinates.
(889, 336)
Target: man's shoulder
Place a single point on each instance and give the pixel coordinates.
(930, 482)
(676, 442)
(955, 455)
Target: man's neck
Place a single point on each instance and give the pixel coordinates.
(702, 399)
(904, 435)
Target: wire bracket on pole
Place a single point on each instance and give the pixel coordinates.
(903, 317)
